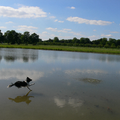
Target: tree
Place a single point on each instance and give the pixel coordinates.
(87, 40)
(11, 36)
(18, 38)
(34, 38)
(111, 41)
(75, 40)
(56, 39)
(106, 45)
(104, 41)
(26, 37)
(113, 45)
(8, 36)
(118, 42)
(1, 37)
(82, 40)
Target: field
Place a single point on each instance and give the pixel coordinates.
(65, 48)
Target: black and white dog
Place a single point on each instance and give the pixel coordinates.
(20, 84)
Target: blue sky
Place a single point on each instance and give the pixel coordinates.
(64, 19)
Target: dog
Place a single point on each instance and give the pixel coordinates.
(20, 84)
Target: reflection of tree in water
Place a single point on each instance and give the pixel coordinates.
(24, 54)
(10, 58)
(0, 58)
(24, 98)
(25, 59)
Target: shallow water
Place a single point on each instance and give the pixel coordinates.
(68, 85)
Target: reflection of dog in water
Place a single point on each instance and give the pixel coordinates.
(24, 98)
(20, 84)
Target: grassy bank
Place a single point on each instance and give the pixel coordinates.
(65, 48)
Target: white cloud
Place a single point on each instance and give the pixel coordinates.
(69, 31)
(109, 35)
(114, 32)
(93, 37)
(59, 21)
(9, 22)
(52, 29)
(63, 30)
(22, 12)
(72, 7)
(86, 21)
(52, 17)
(44, 32)
(2, 27)
(24, 28)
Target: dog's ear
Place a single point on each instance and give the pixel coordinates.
(28, 79)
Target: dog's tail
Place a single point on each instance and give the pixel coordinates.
(10, 85)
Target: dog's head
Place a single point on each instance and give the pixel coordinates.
(28, 79)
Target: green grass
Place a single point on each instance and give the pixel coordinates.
(65, 48)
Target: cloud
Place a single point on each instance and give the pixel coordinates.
(19, 74)
(86, 21)
(63, 30)
(69, 31)
(114, 32)
(72, 7)
(52, 29)
(44, 32)
(56, 30)
(59, 21)
(109, 35)
(22, 12)
(9, 22)
(93, 37)
(2, 27)
(24, 28)
(52, 17)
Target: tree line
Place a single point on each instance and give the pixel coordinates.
(12, 37)
(84, 42)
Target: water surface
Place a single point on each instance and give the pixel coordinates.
(68, 85)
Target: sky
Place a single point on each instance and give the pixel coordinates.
(64, 19)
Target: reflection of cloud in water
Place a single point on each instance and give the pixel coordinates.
(75, 102)
(71, 101)
(20, 74)
(88, 71)
(59, 102)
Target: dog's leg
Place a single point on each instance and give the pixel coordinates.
(29, 88)
(31, 84)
